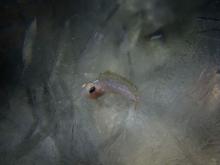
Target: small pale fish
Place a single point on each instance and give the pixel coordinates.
(109, 82)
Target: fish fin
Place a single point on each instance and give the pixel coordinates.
(109, 75)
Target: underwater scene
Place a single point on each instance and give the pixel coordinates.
(117, 82)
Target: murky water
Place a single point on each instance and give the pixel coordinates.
(47, 121)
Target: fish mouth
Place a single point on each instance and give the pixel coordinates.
(84, 85)
(85, 88)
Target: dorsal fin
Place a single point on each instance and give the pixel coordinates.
(109, 75)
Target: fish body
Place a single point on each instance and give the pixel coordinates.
(109, 82)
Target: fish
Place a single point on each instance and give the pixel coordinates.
(110, 82)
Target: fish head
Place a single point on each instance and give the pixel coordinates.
(92, 90)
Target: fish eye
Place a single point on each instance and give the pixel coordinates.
(92, 89)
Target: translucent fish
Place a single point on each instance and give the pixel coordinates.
(109, 82)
